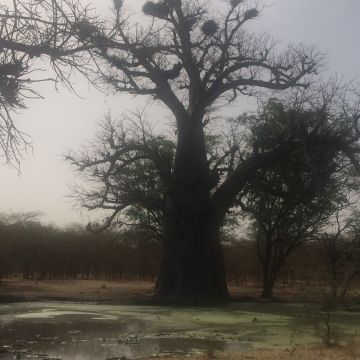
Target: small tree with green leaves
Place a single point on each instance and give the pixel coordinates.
(290, 202)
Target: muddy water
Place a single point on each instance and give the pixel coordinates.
(73, 331)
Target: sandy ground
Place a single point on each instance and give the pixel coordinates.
(127, 291)
(76, 290)
(94, 290)
(287, 354)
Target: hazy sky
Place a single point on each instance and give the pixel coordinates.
(63, 120)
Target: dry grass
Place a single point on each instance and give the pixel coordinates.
(338, 353)
(299, 292)
(95, 290)
(77, 290)
(128, 291)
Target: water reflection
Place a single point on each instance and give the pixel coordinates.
(74, 332)
(79, 331)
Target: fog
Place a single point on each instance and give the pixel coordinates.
(64, 120)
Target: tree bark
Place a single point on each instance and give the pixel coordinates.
(268, 286)
(192, 266)
(269, 276)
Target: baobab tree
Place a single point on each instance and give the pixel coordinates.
(290, 199)
(192, 63)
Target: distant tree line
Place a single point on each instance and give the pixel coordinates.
(33, 251)
(289, 167)
(310, 264)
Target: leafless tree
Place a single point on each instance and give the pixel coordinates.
(126, 171)
(341, 243)
(28, 31)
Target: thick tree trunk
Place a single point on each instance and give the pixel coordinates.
(201, 274)
(192, 266)
(166, 281)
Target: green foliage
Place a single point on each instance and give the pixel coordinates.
(310, 177)
(293, 200)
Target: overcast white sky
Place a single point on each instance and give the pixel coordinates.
(63, 120)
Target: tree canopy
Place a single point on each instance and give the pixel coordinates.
(291, 202)
(184, 57)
